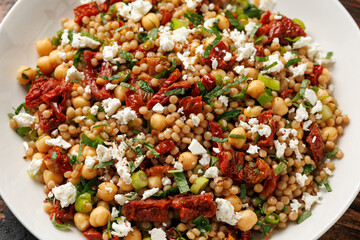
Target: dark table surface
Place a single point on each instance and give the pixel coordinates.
(347, 228)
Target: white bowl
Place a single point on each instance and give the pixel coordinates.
(327, 22)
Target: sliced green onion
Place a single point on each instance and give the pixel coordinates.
(292, 62)
(329, 55)
(100, 125)
(178, 23)
(81, 201)
(272, 218)
(259, 39)
(238, 136)
(279, 168)
(257, 138)
(243, 78)
(243, 191)
(301, 23)
(199, 185)
(180, 181)
(230, 114)
(241, 95)
(264, 98)
(326, 113)
(270, 82)
(292, 40)
(139, 180)
(213, 160)
(303, 217)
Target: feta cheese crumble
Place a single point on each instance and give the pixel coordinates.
(65, 193)
(124, 198)
(121, 227)
(225, 212)
(310, 200)
(134, 10)
(300, 179)
(253, 149)
(195, 120)
(34, 166)
(211, 172)
(158, 108)
(24, 119)
(158, 234)
(149, 193)
(196, 148)
(58, 142)
(295, 205)
(110, 105)
(125, 116)
(224, 100)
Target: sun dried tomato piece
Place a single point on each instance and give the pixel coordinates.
(284, 28)
(62, 214)
(216, 131)
(165, 146)
(208, 81)
(246, 235)
(133, 101)
(106, 69)
(218, 53)
(158, 170)
(167, 15)
(193, 206)
(265, 18)
(260, 51)
(314, 139)
(266, 118)
(232, 168)
(38, 88)
(98, 91)
(313, 77)
(252, 176)
(286, 93)
(88, 9)
(93, 234)
(147, 210)
(160, 95)
(191, 105)
(270, 184)
(61, 163)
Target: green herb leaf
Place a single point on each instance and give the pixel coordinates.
(124, 84)
(151, 148)
(153, 33)
(233, 21)
(308, 168)
(252, 11)
(167, 72)
(73, 159)
(104, 164)
(238, 136)
(88, 141)
(145, 87)
(121, 28)
(259, 39)
(257, 138)
(270, 66)
(329, 55)
(87, 34)
(211, 45)
(264, 98)
(239, 168)
(22, 131)
(230, 114)
(176, 91)
(78, 58)
(170, 192)
(292, 62)
(213, 160)
(125, 55)
(54, 155)
(194, 18)
(243, 191)
(216, 139)
(261, 59)
(132, 166)
(332, 153)
(180, 181)
(243, 78)
(292, 40)
(303, 217)
(58, 225)
(202, 224)
(300, 94)
(254, 30)
(326, 184)
(279, 168)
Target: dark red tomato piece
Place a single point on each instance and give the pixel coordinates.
(98, 91)
(270, 184)
(60, 164)
(216, 131)
(208, 81)
(253, 177)
(232, 168)
(62, 214)
(165, 146)
(193, 206)
(219, 52)
(147, 210)
(88, 9)
(133, 101)
(286, 93)
(93, 234)
(167, 15)
(314, 139)
(115, 238)
(38, 88)
(260, 51)
(265, 18)
(266, 118)
(158, 170)
(314, 76)
(246, 235)
(160, 95)
(191, 105)
(106, 69)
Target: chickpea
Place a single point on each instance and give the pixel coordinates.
(253, 111)
(41, 145)
(44, 64)
(209, 41)
(217, 72)
(150, 21)
(134, 235)
(74, 149)
(55, 58)
(255, 88)
(123, 186)
(44, 47)
(223, 22)
(82, 221)
(279, 106)
(103, 204)
(236, 142)
(158, 121)
(329, 133)
(119, 93)
(52, 176)
(99, 216)
(252, 73)
(88, 173)
(80, 102)
(89, 151)
(60, 72)
(25, 74)
(188, 160)
(324, 95)
(235, 201)
(155, 182)
(107, 191)
(247, 221)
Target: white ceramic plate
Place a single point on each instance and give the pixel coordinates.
(326, 21)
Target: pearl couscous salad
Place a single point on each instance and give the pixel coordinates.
(179, 119)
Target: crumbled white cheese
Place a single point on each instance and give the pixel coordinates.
(114, 214)
(94, 110)
(158, 108)
(110, 52)
(317, 108)
(280, 148)
(59, 142)
(310, 95)
(277, 17)
(246, 51)
(123, 169)
(295, 205)
(158, 234)
(211, 172)
(110, 105)
(195, 120)
(34, 166)
(224, 100)
(302, 42)
(192, 4)
(328, 171)
(210, 22)
(216, 150)
(121, 227)
(178, 166)
(186, 60)
(104, 154)
(214, 63)
(200, 50)
(125, 116)
(225, 212)
(300, 179)
(266, 5)
(265, 130)
(196, 148)
(275, 69)
(298, 70)
(241, 70)
(306, 125)
(62, 55)
(134, 10)
(149, 193)
(227, 56)
(310, 200)
(65, 193)
(89, 162)
(139, 160)
(165, 181)
(301, 114)
(110, 86)
(249, 27)
(124, 198)
(87, 89)
(205, 160)
(84, 42)
(289, 55)
(253, 149)
(293, 144)
(24, 119)
(65, 37)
